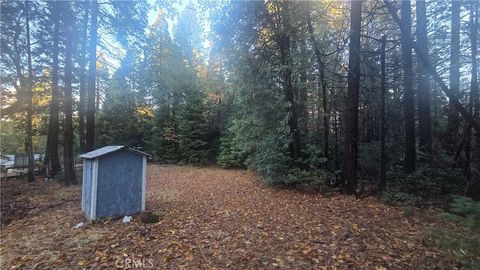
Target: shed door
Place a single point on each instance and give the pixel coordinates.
(119, 186)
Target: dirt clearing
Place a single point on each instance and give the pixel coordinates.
(214, 218)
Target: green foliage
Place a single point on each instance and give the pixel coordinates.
(397, 198)
(258, 134)
(122, 120)
(164, 142)
(231, 154)
(311, 180)
(11, 142)
(368, 160)
(465, 211)
(271, 159)
(180, 130)
(272, 162)
(426, 182)
(123, 125)
(465, 246)
(313, 158)
(192, 130)
(182, 137)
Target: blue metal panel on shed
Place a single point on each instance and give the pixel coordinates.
(119, 186)
(87, 187)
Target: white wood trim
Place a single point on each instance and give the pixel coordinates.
(93, 210)
(83, 184)
(144, 182)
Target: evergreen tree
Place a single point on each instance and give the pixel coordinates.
(68, 159)
(51, 157)
(192, 129)
(164, 141)
(231, 154)
(122, 120)
(163, 74)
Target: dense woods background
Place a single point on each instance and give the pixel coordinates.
(365, 97)
(380, 93)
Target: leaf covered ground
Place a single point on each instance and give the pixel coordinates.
(212, 218)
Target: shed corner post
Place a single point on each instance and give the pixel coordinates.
(144, 182)
(94, 184)
(84, 168)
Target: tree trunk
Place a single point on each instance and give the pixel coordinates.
(408, 102)
(68, 161)
(474, 103)
(383, 154)
(335, 130)
(29, 142)
(83, 81)
(326, 116)
(53, 125)
(319, 105)
(97, 94)
(302, 92)
(284, 44)
(424, 126)
(349, 173)
(475, 91)
(453, 119)
(92, 73)
(322, 85)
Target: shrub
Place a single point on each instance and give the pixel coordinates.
(271, 159)
(397, 198)
(317, 180)
(465, 246)
(232, 149)
(426, 182)
(314, 158)
(465, 211)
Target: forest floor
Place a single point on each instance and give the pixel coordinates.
(215, 218)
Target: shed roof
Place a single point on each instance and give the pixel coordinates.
(110, 149)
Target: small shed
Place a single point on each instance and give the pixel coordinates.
(114, 182)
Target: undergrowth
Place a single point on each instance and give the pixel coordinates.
(465, 243)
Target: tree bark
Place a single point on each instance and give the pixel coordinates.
(284, 44)
(29, 141)
(68, 161)
(453, 119)
(474, 102)
(383, 154)
(423, 91)
(83, 81)
(302, 92)
(349, 173)
(474, 85)
(92, 73)
(53, 125)
(408, 100)
(322, 85)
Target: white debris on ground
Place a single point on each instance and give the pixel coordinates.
(79, 225)
(127, 219)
